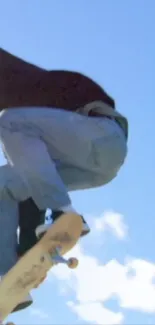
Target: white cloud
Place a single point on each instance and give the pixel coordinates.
(139, 290)
(95, 312)
(113, 221)
(91, 280)
(93, 284)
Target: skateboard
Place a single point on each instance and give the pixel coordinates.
(60, 238)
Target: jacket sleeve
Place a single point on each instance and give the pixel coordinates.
(20, 82)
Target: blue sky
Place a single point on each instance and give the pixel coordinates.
(114, 42)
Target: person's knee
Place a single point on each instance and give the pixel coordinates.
(112, 156)
(119, 154)
(110, 162)
(102, 179)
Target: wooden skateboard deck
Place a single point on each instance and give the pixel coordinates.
(25, 275)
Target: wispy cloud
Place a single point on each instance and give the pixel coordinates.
(131, 283)
(112, 221)
(95, 312)
(94, 283)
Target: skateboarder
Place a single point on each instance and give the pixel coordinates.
(60, 131)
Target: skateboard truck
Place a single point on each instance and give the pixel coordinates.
(56, 258)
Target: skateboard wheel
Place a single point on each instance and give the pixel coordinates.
(73, 263)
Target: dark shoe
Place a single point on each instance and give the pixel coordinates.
(30, 217)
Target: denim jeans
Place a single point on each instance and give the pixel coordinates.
(51, 152)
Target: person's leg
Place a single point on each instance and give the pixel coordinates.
(24, 244)
(9, 217)
(28, 213)
(27, 237)
(36, 140)
(8, 224)
(31, 160)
